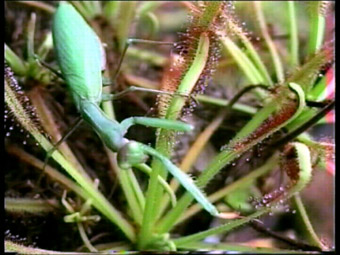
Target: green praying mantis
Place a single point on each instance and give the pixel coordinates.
(79, 54)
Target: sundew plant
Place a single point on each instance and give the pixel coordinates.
(169, 126)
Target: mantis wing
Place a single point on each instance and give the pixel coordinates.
(78, 51)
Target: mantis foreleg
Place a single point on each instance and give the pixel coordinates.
(155, 122)
(134, 153)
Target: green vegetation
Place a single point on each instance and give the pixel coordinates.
(104, 59)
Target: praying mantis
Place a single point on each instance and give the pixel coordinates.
(81, 66)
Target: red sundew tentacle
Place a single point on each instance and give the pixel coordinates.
(169, 83)
(287, 111)
(289, 163)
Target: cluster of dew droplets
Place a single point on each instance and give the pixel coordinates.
(274, 200)
(14, 238)
(10, 122)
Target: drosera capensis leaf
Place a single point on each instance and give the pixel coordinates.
(243, 182)
(199, 52)
(18, 66)
(270, 43)
(27, 205)
(293, 34)
(317, 11)
(300, 177)
(309, 71)
(264, 123)
(204, 137)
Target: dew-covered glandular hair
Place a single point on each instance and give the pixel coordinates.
(281, 116)
(205, 17)
(24, 101)
(289, 162)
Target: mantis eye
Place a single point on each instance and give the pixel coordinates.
(131, 154)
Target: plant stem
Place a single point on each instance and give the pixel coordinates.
(30, 38)
(127, 179)
(49, 123)
(146, 169)
(40, 5)
(304, 176)
(234, 247)
(125, 16)
(246, 65)
(293, 32)
(317, 28)
(45, 46)
(224, 102)
(221, 229)
(18, 65)
(28, 205)
(306, 221)
(253, 53)
(52, 172)
(268, 166)
(271, 46)
(164, 143)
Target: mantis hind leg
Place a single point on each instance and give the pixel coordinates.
(49, 67)
(109, 97)
(131, 41)
(55, 146)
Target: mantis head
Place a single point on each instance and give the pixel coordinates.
(131, 154)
